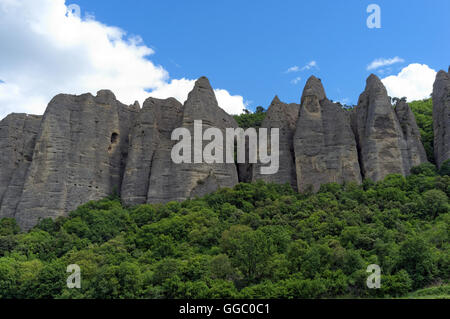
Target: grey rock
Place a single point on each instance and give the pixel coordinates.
(80, 154)
(190, 180)
(17, 139)
(324, 143)
(284, 117)
(378, 132)
(413, 152)
(151, 176)
(149, 160)
(441, 117)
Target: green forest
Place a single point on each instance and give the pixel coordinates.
(253, 241)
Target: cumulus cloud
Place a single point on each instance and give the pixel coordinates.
(378, 63)
(415, 82)
(46, 51)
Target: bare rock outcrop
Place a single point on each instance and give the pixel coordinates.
(17, 139)
(441, 117)
(149, 165)
(80, 154)
(382, 147)
(324, 143)
(169, 181)
(284, 117)
(86, 148)
(413, 152)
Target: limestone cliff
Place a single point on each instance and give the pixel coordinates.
(386, 144)
(88, 147)
(79, 155)
(284, 117)
(187, 180)
(441, 116)
(17, 139)
(325, 147)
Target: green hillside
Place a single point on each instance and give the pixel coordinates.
(254, 241)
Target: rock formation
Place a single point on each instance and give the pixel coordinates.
(325, 147)
(187, 180)
(413, 152)
(149, 152)
(86, 148)
(17, 138)
(283, 116)
(441, 117)
(79, 155)
(383, 148)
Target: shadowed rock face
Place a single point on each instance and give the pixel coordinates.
(378, 132)
(149, 166)
(441, 117)
(325, 147)
(177, 182)
(79, 155)
(17, 139)
(413, 153)
(283, 116)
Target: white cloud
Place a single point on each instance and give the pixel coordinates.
(310, 65)
(45, 52)
(414, 82)
(294, 68)
(296, 80)
(378, 63)
(232, 104)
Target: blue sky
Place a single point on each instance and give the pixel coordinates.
(243, 47)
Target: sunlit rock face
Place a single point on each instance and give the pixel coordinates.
(79, 155)
(324, 143)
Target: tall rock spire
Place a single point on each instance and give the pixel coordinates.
(379, 134)
(324, 144)
(413, 152)
(441, 117)
(17, 140)
(148, 167)
(284, 117)
(187, 180)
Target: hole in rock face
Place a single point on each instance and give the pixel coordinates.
(114, 141)
(114, 138)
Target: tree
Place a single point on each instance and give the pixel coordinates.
(436, 202)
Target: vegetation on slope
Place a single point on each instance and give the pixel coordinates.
(254, 241)
(423, 112)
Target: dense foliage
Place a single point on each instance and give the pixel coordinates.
(248, 119)
(423, 112)
(254, 241)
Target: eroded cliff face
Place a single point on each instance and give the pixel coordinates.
(187, 180)
(441, 117)
(79, 155)
(413, 153)
(149, 166)
(284, 117)
(325, 146)
(17, 139)
(86, 148)
(387, 139)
